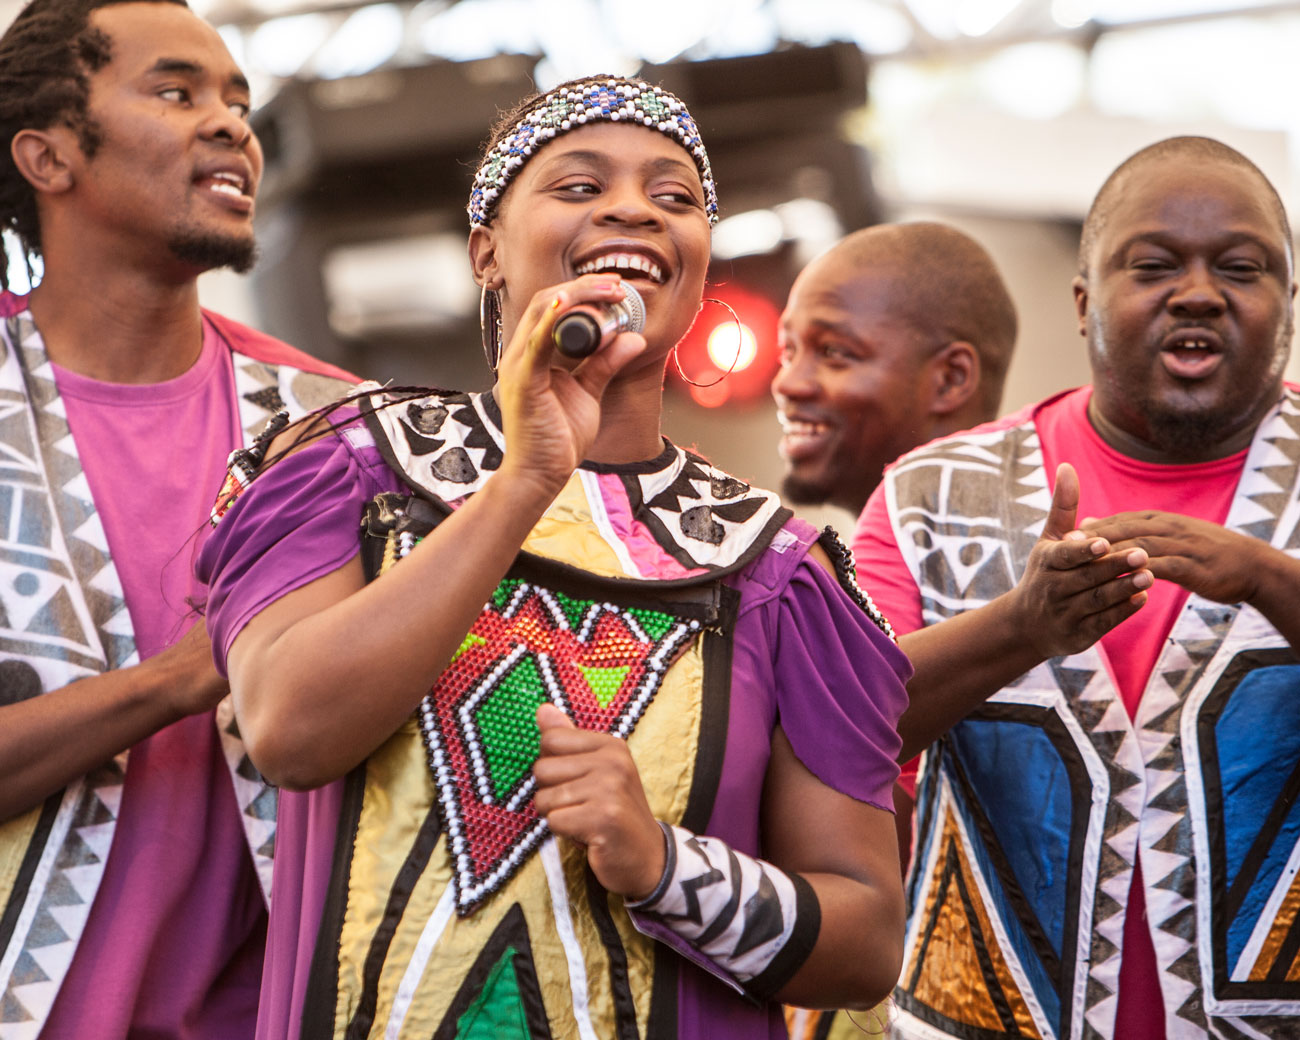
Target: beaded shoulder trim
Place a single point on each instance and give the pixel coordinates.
(846, 571)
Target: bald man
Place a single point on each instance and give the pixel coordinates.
(1108, 847)
(898, 334)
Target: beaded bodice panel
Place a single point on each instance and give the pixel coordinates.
(600, 663)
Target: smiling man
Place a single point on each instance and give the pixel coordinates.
(898, 334)
(1107, 820)
(136, 837)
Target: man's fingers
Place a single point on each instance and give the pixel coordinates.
(1098, 624)
(1081, 591)
(1105, 594)
(1072, 553)
(1095, 558)
(1065, 503)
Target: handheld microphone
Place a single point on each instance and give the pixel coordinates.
(588, 325)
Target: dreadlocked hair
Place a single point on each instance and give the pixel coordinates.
(47, 56)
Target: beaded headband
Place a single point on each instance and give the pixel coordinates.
(602, 99)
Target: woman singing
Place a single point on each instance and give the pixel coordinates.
(588, 738)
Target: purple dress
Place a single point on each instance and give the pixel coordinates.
(804, 656)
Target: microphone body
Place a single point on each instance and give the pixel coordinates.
(583, 328)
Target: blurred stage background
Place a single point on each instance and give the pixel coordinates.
(1001, 117)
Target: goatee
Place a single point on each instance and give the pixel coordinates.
(803, 492)
(1182, 433)
(209, 252)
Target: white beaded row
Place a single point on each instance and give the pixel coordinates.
(563, 111)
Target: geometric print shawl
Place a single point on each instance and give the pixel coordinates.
(62, 618)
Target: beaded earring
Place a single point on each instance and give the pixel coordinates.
(489, 320)
(714, 382)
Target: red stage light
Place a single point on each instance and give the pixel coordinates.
(706, 353)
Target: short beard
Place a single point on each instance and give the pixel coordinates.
(1182, 434)
(208, 252)
(803, 492)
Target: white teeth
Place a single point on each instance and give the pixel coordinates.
(227, 183)
(623, 262)
(799, 428)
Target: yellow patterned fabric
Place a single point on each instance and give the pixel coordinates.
(549, 908)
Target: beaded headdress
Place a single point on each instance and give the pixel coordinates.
(568, 107)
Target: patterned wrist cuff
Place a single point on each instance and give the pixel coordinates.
(738, 917)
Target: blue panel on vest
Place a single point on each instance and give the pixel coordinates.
(1024, 790)
(925, 833)
(1258, 740)
(1049, 997)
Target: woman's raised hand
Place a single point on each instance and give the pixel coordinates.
(589, 790)
(550, 404)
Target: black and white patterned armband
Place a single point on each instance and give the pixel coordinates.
(739, 918)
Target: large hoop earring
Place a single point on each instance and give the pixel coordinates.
(678, 361)
(489, 321)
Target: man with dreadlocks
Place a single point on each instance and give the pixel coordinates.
(130, 897)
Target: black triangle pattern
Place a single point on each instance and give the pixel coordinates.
(1267, 485)
(702, 515)
(698, 514)
(463, 453)
(268, 398)
(11, 1011)
(27, 971)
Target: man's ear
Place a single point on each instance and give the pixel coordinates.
(955, 377)
(483, 257)
(44, 158)
(1080, 287)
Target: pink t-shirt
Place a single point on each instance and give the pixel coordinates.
(1109, 483)
(173, 945)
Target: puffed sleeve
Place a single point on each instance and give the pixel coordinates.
(297, 521)
(840, 686)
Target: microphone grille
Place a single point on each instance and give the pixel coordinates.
(635, 307)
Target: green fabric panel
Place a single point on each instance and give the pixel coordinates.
(498, 1011)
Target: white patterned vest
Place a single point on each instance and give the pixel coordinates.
(63, 617)
(1031, 811)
